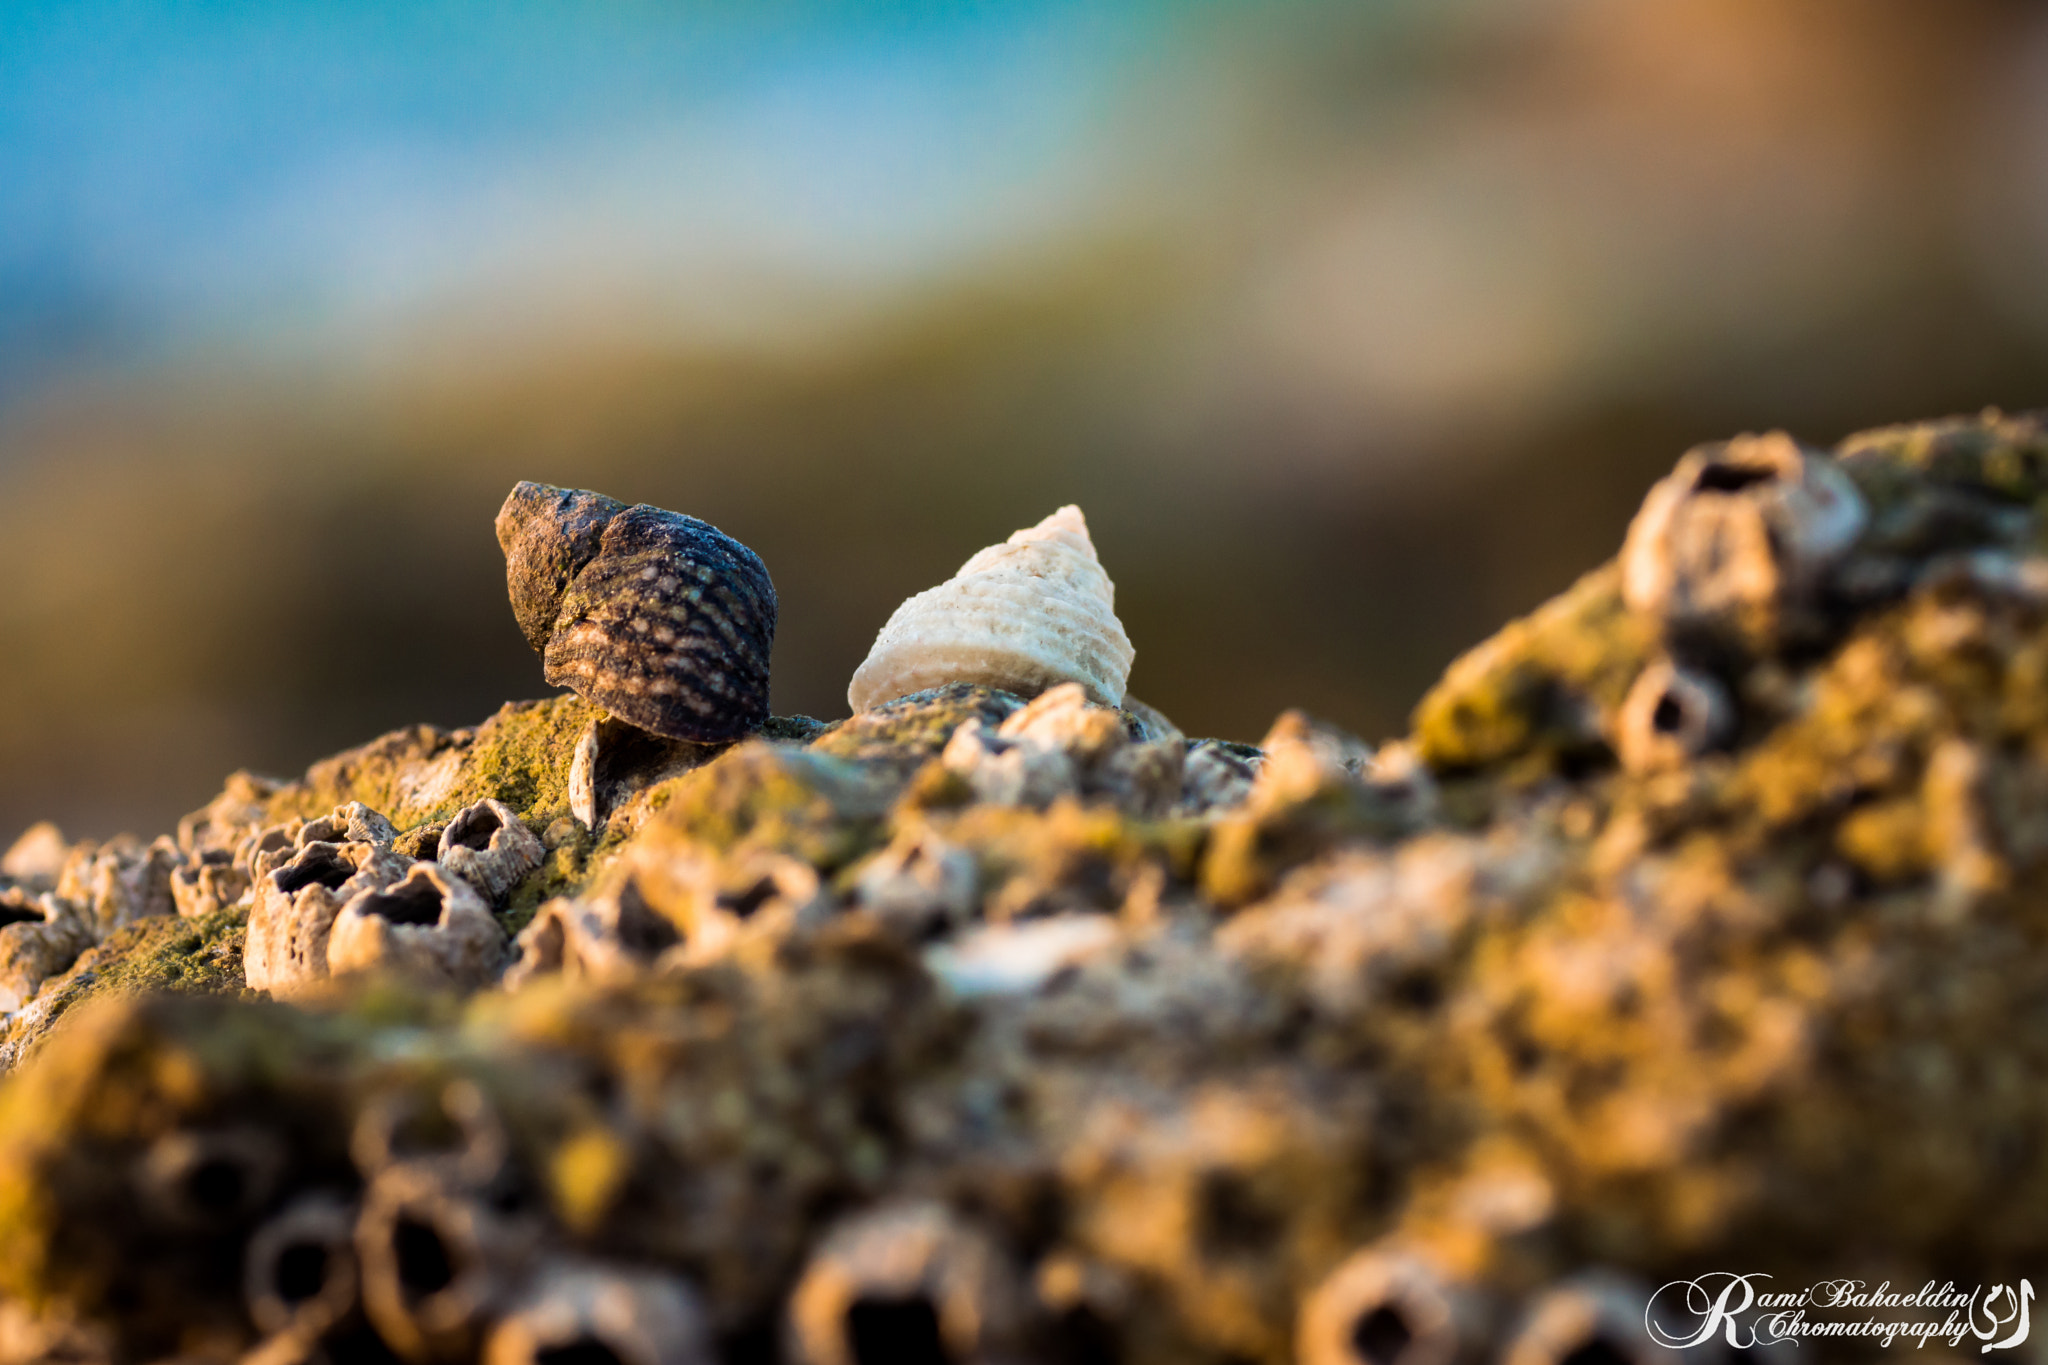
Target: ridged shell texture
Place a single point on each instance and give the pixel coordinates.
(1024, 615)
(661, 619)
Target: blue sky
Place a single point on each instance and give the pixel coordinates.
(178, 174)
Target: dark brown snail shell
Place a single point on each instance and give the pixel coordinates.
(661, 619)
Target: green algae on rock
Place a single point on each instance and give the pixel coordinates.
(1656, 948)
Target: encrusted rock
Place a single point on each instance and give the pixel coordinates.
(1316, 786)
(114, 884)
(242, 806)
(919, 886)
(1061, 744)
(1438, 1050)
(1016, 959)
(1218, 773)
(1008, 774)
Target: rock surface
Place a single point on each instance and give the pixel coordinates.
(969, 1030)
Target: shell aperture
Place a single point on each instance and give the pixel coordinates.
(661, 619)
(1024, 615)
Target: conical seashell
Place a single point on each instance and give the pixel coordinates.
(661, 619)
(1024, 615)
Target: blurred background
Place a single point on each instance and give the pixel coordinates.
(1356, 328)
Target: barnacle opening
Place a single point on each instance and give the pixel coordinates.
(743, 903)
(20, 911)
(1732, 476)
(644, 931)
(1598, 1350)
(587, 1350)
(425, 1263)
(1232, 1219)
(474, 827)
(216, 1185)
(895, 1330)
(211, 1180)
(407, 1129)
(300, 1271)
(415, 900)
(320, 863)
(1381, 1336)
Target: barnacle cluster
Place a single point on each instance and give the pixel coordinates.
(1696, 926)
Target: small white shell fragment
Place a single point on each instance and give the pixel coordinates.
(1016, 959)
(1024, 615)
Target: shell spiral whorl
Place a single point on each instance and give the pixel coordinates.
(661, 619)
(1025, 615)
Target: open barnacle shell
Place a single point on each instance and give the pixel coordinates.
(1737, 541)
(906, 1281)
(576, 1310)
(661, 619)
(1024, 615)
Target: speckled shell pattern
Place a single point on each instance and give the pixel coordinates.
(661, 619)
(1031, 613)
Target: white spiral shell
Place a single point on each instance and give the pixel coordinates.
(1024, 615)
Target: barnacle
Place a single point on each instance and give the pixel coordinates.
(299, 1272)
(1387, 1305)
(911, 1282)
(437, 1261)
(579, 1310)
(487, 846)
(1670, 715)
(296, 906)
(428, 924)
(1737, 540)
